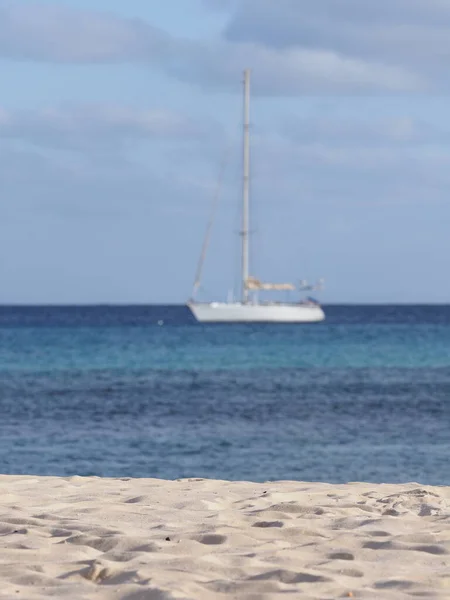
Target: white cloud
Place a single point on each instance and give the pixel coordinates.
(85, 214)
(290, 71)
(47, 32)
(389, 132)
(96, 141)
(91, 126)
(369, 162)
(411, 35)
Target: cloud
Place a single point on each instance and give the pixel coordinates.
(107, 201)
(86, 159)
(86, 142)
(47, 32)
(88, 225)
(367, 162)
(290, 71)
(89, 127)
(391, 132)
(393, 137)
(40, 184)
(412, 35)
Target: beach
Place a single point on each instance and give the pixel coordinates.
(192, 538)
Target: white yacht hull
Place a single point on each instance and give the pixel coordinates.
(218, 312)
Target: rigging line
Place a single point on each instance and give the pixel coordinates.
(215, 204)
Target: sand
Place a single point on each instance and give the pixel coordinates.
(136, 539)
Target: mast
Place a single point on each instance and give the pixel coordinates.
(245, 186)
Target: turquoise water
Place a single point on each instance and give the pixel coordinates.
(108, 391)
(201, 348)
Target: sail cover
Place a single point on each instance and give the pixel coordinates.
(254, 284)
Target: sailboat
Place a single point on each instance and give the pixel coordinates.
(249, 309)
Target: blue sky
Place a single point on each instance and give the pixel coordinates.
(115, 117)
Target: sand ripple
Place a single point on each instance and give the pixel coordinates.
(131, 539)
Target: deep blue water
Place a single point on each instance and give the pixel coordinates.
(108, 391)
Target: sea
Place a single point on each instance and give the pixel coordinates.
(145, 391)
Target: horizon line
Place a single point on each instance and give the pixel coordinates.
(182, 304)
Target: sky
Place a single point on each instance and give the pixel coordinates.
(116, 118)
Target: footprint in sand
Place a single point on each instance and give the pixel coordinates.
(211, 539)
(264, 524)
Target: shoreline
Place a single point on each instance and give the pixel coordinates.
(154, 539)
